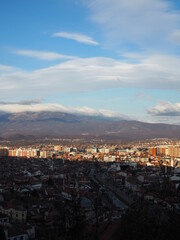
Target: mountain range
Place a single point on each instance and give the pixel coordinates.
(61, 124)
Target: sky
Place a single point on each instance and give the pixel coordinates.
(95, 57)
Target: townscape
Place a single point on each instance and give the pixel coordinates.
(89, 120)
(84, 191)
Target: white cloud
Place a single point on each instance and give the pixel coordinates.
(88, 74)
(42, 55)
(165, 109)
(146, 23)
(55, 107)
(76, 37)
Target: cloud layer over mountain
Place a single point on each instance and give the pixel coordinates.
(37, 106)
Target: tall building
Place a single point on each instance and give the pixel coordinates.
(174, 151)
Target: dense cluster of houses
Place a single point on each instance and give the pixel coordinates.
(83, 192)
(44, 196)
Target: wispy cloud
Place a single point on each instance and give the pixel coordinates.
(165, 109)
(23, 102)
(143, 96)
(54, 107)
(42, 55)
(145, 24)
(6, 68)
(89, 74)
(175, 37)
(76, 37)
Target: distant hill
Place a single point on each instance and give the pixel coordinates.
(58, 124)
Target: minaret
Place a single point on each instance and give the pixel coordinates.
(63, 159)
(172, 162)
(63, 174)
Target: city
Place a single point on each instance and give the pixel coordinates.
(84, 191)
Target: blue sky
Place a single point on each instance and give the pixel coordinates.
(105, 57)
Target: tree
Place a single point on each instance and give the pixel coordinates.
(2, 234)
(147, 222)
(50, 182)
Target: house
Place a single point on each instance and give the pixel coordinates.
(4, 219)
(14, 210)
(67, 196)
(14, 233)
